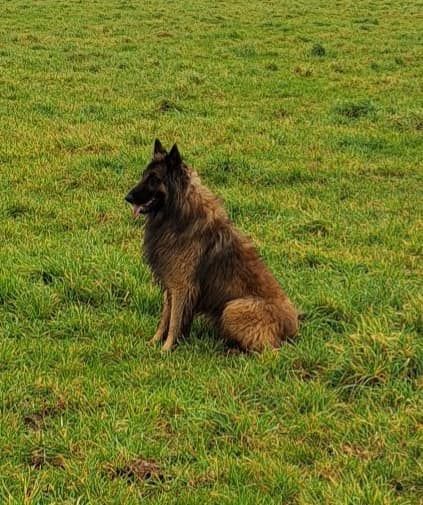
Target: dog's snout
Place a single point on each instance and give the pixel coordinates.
(129, 198)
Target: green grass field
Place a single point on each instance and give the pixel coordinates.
(307, 120)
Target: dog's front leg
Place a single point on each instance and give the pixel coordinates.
(164, 320)
(181, 303)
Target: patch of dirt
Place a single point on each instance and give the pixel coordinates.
(40, 458)
(164, 34)
(136, 470)
(167, 105)
(36, 420)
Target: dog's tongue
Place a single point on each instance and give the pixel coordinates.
(136, 210)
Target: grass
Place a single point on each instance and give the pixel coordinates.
(308, 123)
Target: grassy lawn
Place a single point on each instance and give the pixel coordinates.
(306, 118)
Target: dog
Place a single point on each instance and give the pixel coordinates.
(203, 264)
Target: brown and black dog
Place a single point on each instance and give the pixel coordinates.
(203, 264)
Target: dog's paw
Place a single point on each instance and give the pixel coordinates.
(167, 346)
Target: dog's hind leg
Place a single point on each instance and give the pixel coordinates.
(255, 324)
(164, 320)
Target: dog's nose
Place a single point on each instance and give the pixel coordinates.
(129, 198)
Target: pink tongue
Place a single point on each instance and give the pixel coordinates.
(136, 209)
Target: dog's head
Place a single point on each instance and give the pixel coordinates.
(161, 179)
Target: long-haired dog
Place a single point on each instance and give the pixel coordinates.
(203, 264)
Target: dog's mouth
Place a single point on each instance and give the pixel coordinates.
(144, 208)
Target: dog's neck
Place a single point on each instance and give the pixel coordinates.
(202, 203)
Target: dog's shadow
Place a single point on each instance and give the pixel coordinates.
(205, 337)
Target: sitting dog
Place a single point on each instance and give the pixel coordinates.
(203, 263)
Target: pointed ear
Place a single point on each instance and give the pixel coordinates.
(174, 158)
(158, 149)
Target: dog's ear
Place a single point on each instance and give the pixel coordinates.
(174, 158)
(158, 149)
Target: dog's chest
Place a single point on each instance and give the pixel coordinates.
(170, 257)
